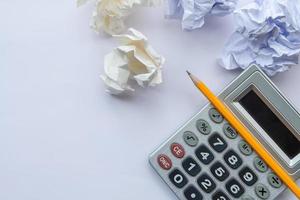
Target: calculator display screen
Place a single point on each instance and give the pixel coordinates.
(271, 124)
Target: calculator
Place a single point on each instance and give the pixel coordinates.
(207, 159)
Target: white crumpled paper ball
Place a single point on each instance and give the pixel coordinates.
(135, 60)
(109, 15)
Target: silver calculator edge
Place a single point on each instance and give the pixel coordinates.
(287, 111)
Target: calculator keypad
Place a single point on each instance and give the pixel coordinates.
(211, 161)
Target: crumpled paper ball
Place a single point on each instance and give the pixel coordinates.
(193, 12)
(109, 15)
(267, 34)
(135, 60)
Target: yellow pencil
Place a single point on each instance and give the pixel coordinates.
(243, 131)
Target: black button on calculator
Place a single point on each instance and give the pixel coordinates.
(204, 155)
(191, 166)
(234, 188)
(248, 176)
(219, 171)
(177, 178)
(217, 143)
(219, 195)
(206, 183)
(232, 159)
(191, 193)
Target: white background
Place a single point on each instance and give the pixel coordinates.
(61, 136)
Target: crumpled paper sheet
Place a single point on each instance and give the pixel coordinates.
(109, 15)
(193, 12)
(134, 59)
(268, 34)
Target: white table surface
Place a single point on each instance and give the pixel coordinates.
(61, 136)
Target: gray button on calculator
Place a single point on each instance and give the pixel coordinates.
(245, 148)
(203, 127)
(229, 131)
(190, 138)
(262, 191)
(274, 180)
(260, 165)
(215, 116)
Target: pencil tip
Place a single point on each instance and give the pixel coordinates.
(189, 73)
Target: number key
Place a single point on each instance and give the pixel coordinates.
(217, 143)
(234, 188)
(177, 178)
(219, 171)
(248, 176)
(233, 159)
(191, 166)
(219, 195)
(206, 183)
(204, 154)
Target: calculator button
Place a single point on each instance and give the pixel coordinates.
(262, 191)
(220, 196)
(206, 183)
(217, 143)
(234, 188)
(190, 138)
(274, 180)
(229, 131)
(215, 116)
(204, 154)
(232, 159)
(164, 162)
(247, 198)
(177, 178)
(260, 165)
(203, 127)
(191, 193)
(245, 148)
(177, 150)
(219, 171)
(248, 176)
(191, 166)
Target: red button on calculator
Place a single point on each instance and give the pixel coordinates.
(164, 162)
(177, 150)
